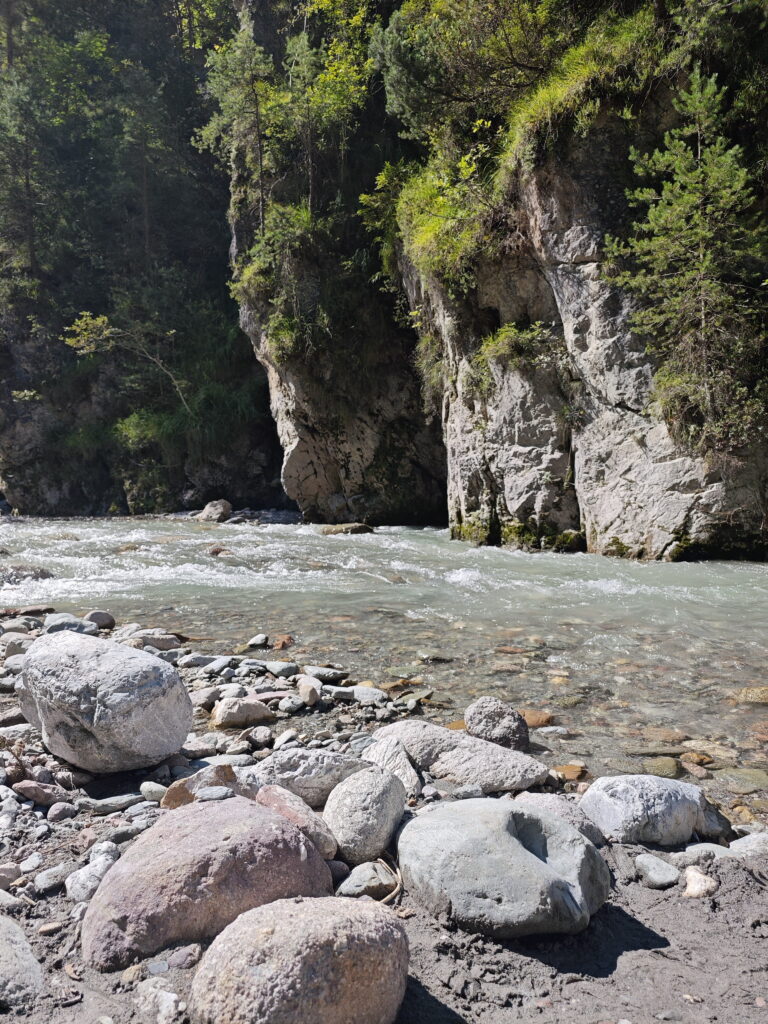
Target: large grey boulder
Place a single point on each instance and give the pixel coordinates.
(103, 706)
(330, 961)
(57, 621)
(559, 805)
(465, 760)
(646, 809)
(503, 872)
(310, 774)
(363, 812)
(489, 718)
(21, 976)
(192, 873)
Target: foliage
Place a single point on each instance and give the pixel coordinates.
(516, 345)
(696, 261)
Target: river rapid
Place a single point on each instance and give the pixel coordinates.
(620, 652)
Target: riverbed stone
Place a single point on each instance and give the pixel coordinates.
(64, 621)
(562, 806)
(363, 812)
(500, 871)
(753, 845)
(239, 713)
(373, 879)
(656, 873)
(492, 719)
(192, 873)
(330, 961)
(185, 791)
(21, 976)
(389, 753)
(310, 774)
(102, 706)
(215, 512)
(303, 817)
(645, 809)
(104, 620)
(465, 760)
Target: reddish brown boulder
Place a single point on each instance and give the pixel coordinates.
(188, 876)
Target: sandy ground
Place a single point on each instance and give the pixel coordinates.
(647, 955)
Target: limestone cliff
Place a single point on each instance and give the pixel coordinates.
(566, 450)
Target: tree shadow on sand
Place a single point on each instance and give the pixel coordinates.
(595, 951)
(420, 1006)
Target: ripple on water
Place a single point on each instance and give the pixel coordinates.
(638, 642)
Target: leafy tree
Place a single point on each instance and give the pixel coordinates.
(696, 263)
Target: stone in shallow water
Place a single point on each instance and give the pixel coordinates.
(192, 873)
(489, 718)
(664, 767)
(743, 780)
(21, 976)
(330, 961)
(500, 871)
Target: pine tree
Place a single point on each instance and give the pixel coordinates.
(694, 261)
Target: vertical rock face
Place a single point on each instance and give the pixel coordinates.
(569, 441)
(357, 444)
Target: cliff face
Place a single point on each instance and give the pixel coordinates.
(356, 442)
(571, 442)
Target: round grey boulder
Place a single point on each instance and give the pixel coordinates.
(489, 718)
(102, 706)
(363, 812)
(324, 961)
(500, 871)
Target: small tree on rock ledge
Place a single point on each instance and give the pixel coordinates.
(696, 262)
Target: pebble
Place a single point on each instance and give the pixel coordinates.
(698, 884)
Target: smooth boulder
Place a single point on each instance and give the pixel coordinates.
(489, 718)
(192, 873)
(330, 961)
(363, 812)
(645, 809)
(102, 706)
(465, 760)
(503, 872)
(218, 511)
(389, 753)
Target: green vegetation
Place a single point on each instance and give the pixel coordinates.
(107, 207)
(696, 260)
(516, 345)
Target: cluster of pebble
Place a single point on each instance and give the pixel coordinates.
(199, 841)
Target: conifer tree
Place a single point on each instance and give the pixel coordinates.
(694, 261)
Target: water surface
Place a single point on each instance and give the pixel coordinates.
(611, 647)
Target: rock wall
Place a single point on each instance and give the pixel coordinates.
(567, 450)
(357, 444)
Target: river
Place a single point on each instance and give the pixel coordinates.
(616, 650)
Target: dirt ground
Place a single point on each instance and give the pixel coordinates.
(647, 956)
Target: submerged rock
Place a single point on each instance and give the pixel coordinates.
(500, 871)
(192, 873)
(330, 961)
(103, 706)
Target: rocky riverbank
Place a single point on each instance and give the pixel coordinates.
(206, 836)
